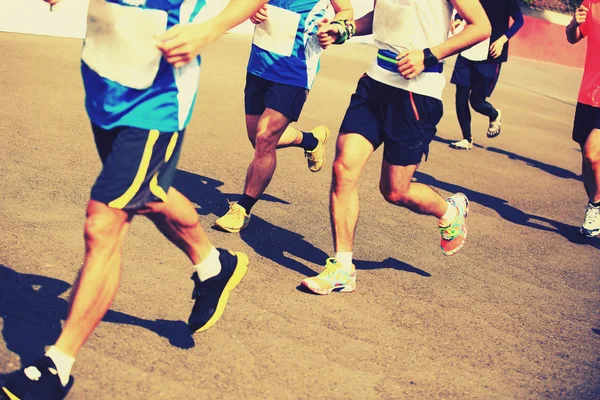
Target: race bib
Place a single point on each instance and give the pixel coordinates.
(120, 43)
(278, 33)
(395, 22)
(479, 52)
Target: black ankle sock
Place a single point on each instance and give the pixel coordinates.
(597, 204)
(309, 141)
(247, 202)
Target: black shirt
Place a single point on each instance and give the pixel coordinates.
(499, 13)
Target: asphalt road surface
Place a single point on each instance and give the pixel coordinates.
(513, 315)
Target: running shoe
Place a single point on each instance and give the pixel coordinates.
(464, 144)
(235, 220)
(591, 223)
(38, 381)
(495, 126)
(332, 278)
(211, 295)
(454, 236)
(316, 157)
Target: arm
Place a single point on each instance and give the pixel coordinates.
(343, 10)
(364, 25)
(182, 43)
(518, 21)
(574, 31)
(516, 14)
(411, 63)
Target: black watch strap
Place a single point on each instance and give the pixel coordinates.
(430, 60)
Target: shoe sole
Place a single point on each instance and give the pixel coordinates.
(240, 271)
(456, 250)
(232, 230)
(9, 394)
(589, 234)
(319, 291)
(460, 148)
(327, 134)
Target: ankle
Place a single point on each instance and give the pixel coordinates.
(63, 362)
(345, 260)
(449, 216)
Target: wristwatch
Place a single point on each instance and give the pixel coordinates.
(430, 60)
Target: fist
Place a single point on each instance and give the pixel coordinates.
(260, 16)
(581, 15)
(411, 63)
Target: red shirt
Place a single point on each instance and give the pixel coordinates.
(590, 86)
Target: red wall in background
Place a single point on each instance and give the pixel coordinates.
(544, 41)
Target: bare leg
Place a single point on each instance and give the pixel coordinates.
(270, 128)
(591, 166)
(178, 221)
(353, 152)
(99, 277)
(397, 188)
(290, 137)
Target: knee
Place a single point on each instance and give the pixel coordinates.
(344, 175)
(591, 157)
(394, 195)
(265, 141)
(100, 227)
(476, 103)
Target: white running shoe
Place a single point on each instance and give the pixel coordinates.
(462, 144)
(591, 223)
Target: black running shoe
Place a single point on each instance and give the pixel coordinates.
(211, 295)
(39, 381)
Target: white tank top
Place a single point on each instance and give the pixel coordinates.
(400, 25)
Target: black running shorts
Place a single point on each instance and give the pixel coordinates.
(479, 76)
(261, 94)
(404, 122)
(587, 118)
(138, 166)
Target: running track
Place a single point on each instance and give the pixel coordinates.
(514, 315)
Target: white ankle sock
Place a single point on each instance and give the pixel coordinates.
(209, 267)
(449, 216)
(63, 362)
(345, 259)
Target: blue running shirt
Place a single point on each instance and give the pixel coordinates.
(285, 48)
(127, 81)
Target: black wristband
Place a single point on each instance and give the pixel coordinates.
(430, 60)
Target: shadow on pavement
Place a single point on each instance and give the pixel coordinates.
(548, 168)
(32, 310)
(390, 263)
(268, 240)
(510, 213)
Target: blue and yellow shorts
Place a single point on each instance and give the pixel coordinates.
(138, 166)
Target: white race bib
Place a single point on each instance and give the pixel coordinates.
(479, 52)
(278, 33)
(120, 43)
(395, 22)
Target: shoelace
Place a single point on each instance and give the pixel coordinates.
(197, 293)
(235, 211)
(591, 214)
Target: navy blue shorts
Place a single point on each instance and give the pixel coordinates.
(261, 94)
(587, 118)
(404, 122)
(481, 77)
(138, 166)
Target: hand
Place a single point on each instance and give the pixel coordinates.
(260, 16)
(581, 15)
(497, 47)
(182, 43)
(327, 33)
(455, 25)
(411, 63)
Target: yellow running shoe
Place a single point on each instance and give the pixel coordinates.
(235, 220)
(333, 278)
(316, 157)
